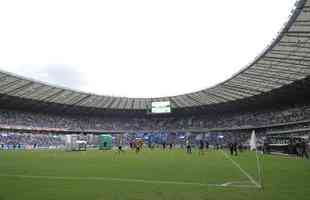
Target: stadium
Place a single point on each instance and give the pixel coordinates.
(246, 137)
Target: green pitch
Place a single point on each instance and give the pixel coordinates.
(154, 175)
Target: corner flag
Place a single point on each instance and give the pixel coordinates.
(253, 141)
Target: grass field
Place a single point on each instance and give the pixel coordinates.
(154, 175)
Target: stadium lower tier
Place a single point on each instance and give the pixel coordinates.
(272, 120)
(28, 130)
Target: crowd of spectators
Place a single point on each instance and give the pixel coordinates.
(10, 118)
(24, 140)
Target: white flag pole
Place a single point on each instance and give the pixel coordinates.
(258, 163)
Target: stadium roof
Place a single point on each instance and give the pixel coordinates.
(284, 61)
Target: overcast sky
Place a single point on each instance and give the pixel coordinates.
(136, 48)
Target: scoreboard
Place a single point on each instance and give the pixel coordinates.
(161, 107)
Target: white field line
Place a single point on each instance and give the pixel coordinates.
(242, 170)
(231, 184)
(259, 171)
(237, 182)
(122, 180)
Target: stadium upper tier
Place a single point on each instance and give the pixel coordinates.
(284, 61)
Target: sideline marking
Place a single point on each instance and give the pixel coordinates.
(242, 170)
(124, 180)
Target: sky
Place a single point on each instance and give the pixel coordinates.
(136, 48)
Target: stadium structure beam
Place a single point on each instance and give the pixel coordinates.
(283, 68)
(268, 77)
(214, 98)
(26, 92)
(203, 97)
(276, 72)
(14, 86)
(293, 46)
(229, 95)
(290, 63)
(244, 87)
(251, 85)
(219, 96)
(8, 84)
(243, 90)
(47, 98)
(16, 90)
(290, 55)
(289, 51)
(197, 102)
(256, 81)
(287, 59)
(235, 92)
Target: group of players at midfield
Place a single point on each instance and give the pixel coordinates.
(137, 146)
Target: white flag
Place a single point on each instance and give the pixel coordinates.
(253, 141)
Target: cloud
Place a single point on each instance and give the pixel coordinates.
(136, 48)
(57, 74)
(62, 75)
